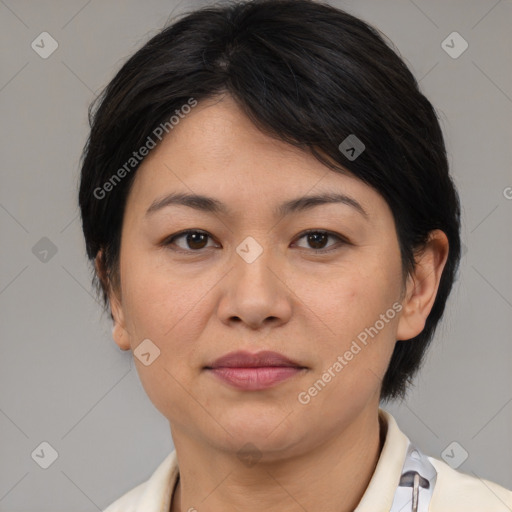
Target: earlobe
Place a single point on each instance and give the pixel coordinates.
(119, 333)
(410, 323)
(422, 286)
(120, 336)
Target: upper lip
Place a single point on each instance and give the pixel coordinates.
(242, 359)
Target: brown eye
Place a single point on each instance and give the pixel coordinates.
(194, 240)
(317, 239)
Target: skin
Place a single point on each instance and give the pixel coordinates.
(197, 306)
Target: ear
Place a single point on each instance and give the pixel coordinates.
(119, 332)
(422, 286)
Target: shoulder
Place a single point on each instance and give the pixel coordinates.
(153, 495)
(457, 491)
(454, 491)
(129, 501)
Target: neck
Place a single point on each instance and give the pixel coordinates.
(331, 476)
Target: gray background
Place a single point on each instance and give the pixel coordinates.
(62, 378)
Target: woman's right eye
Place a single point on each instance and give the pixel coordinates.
(193, 238)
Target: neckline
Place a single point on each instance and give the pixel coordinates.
(383, 431)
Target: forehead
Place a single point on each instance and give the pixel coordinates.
(217, 134)
(216, 150)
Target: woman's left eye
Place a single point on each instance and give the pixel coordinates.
(317, 239)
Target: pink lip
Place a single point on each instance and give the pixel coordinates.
(244, 370)
(255, 378)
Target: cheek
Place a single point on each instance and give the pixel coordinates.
(346, 301)
(357, 306)
(158, 302)
(169, 312)
(172, 311)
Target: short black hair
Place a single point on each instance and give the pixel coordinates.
(308, 74)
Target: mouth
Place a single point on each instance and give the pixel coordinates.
(247, 371)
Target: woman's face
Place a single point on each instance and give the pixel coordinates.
(255, 283)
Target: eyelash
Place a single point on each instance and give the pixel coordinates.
(169, 240)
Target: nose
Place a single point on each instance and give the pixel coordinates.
(255, 291)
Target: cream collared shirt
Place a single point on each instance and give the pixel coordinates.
(454, 491)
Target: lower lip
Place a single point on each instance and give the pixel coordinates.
(255, 378)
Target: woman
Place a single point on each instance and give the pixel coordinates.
(266, 198)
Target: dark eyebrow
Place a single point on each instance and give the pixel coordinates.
(211, 205)
(303, 203)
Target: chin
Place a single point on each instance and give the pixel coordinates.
(271, 431)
